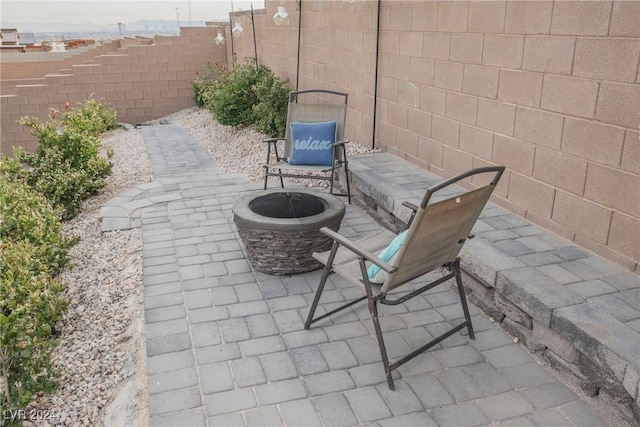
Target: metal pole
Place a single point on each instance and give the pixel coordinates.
(299, 32)
(231, 36)
(255, 45)
(375, 88)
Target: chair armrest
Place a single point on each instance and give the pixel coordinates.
(341, 142)
(357, 249)
(272, 142)
(411, 206)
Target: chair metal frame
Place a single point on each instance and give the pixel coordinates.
(309, 113)
(461, 210)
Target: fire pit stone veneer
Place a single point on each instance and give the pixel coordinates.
(280, 227)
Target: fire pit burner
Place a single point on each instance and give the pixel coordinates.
(280, 228)
(287, 205)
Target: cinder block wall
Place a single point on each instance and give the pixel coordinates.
(142, 81)
(17, 66)
(549, 89)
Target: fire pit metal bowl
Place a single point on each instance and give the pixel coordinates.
(280, 228)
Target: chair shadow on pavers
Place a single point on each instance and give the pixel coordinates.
(435, 234)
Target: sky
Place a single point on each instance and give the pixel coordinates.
(109, 12)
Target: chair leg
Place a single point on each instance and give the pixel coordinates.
(266, 177)
(373, 309)
(316, 298)
(281, 180)
(346, 177)
(463, 298)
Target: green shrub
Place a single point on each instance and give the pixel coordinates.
(31, 304)
(205, 84)
(67, 167)
(271, 109)
(91, 117)
(27, 216)
(232, 97)
(246, 95)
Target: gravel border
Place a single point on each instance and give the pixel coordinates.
(101, 338)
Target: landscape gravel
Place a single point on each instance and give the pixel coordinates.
(239, 149)
(101, 351)
(101, 338)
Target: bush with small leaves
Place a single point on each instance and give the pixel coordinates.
(271, 109)
(247, 95)
(204, 84)
(67, 166)
(232, 97)
(36, 190)
(30, 306)
(26, 215)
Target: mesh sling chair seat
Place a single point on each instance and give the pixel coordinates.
(327, 106)
(434, 237)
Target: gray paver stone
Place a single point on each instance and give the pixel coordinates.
(205, 334)
(247, 372)
(549, 395)
(281, 391)
(507, 356)
(400, 401)
(308, 360)
(429, 390)
(174, 400)
(229, 401)
(481, 258)
(171, 380)
(328, 382)
(218, 353)
(464, 414)
(459, 385)
(168, 344)
(598, 335)
(503, 406)
(417, 419)
(367, 404)
(162, 314)
(215, 377)
(278, 366)
(265, 416)
(169, 361)
(299, 413)
(191, 417)
(534, 293)
(334, 410)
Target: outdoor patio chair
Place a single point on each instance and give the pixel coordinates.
(433, 239)
(313, 140)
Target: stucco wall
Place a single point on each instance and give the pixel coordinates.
(547, 88)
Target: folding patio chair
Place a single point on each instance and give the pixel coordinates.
(313, 140)
(433, 239)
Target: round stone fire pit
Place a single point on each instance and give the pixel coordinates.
(280, 228)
